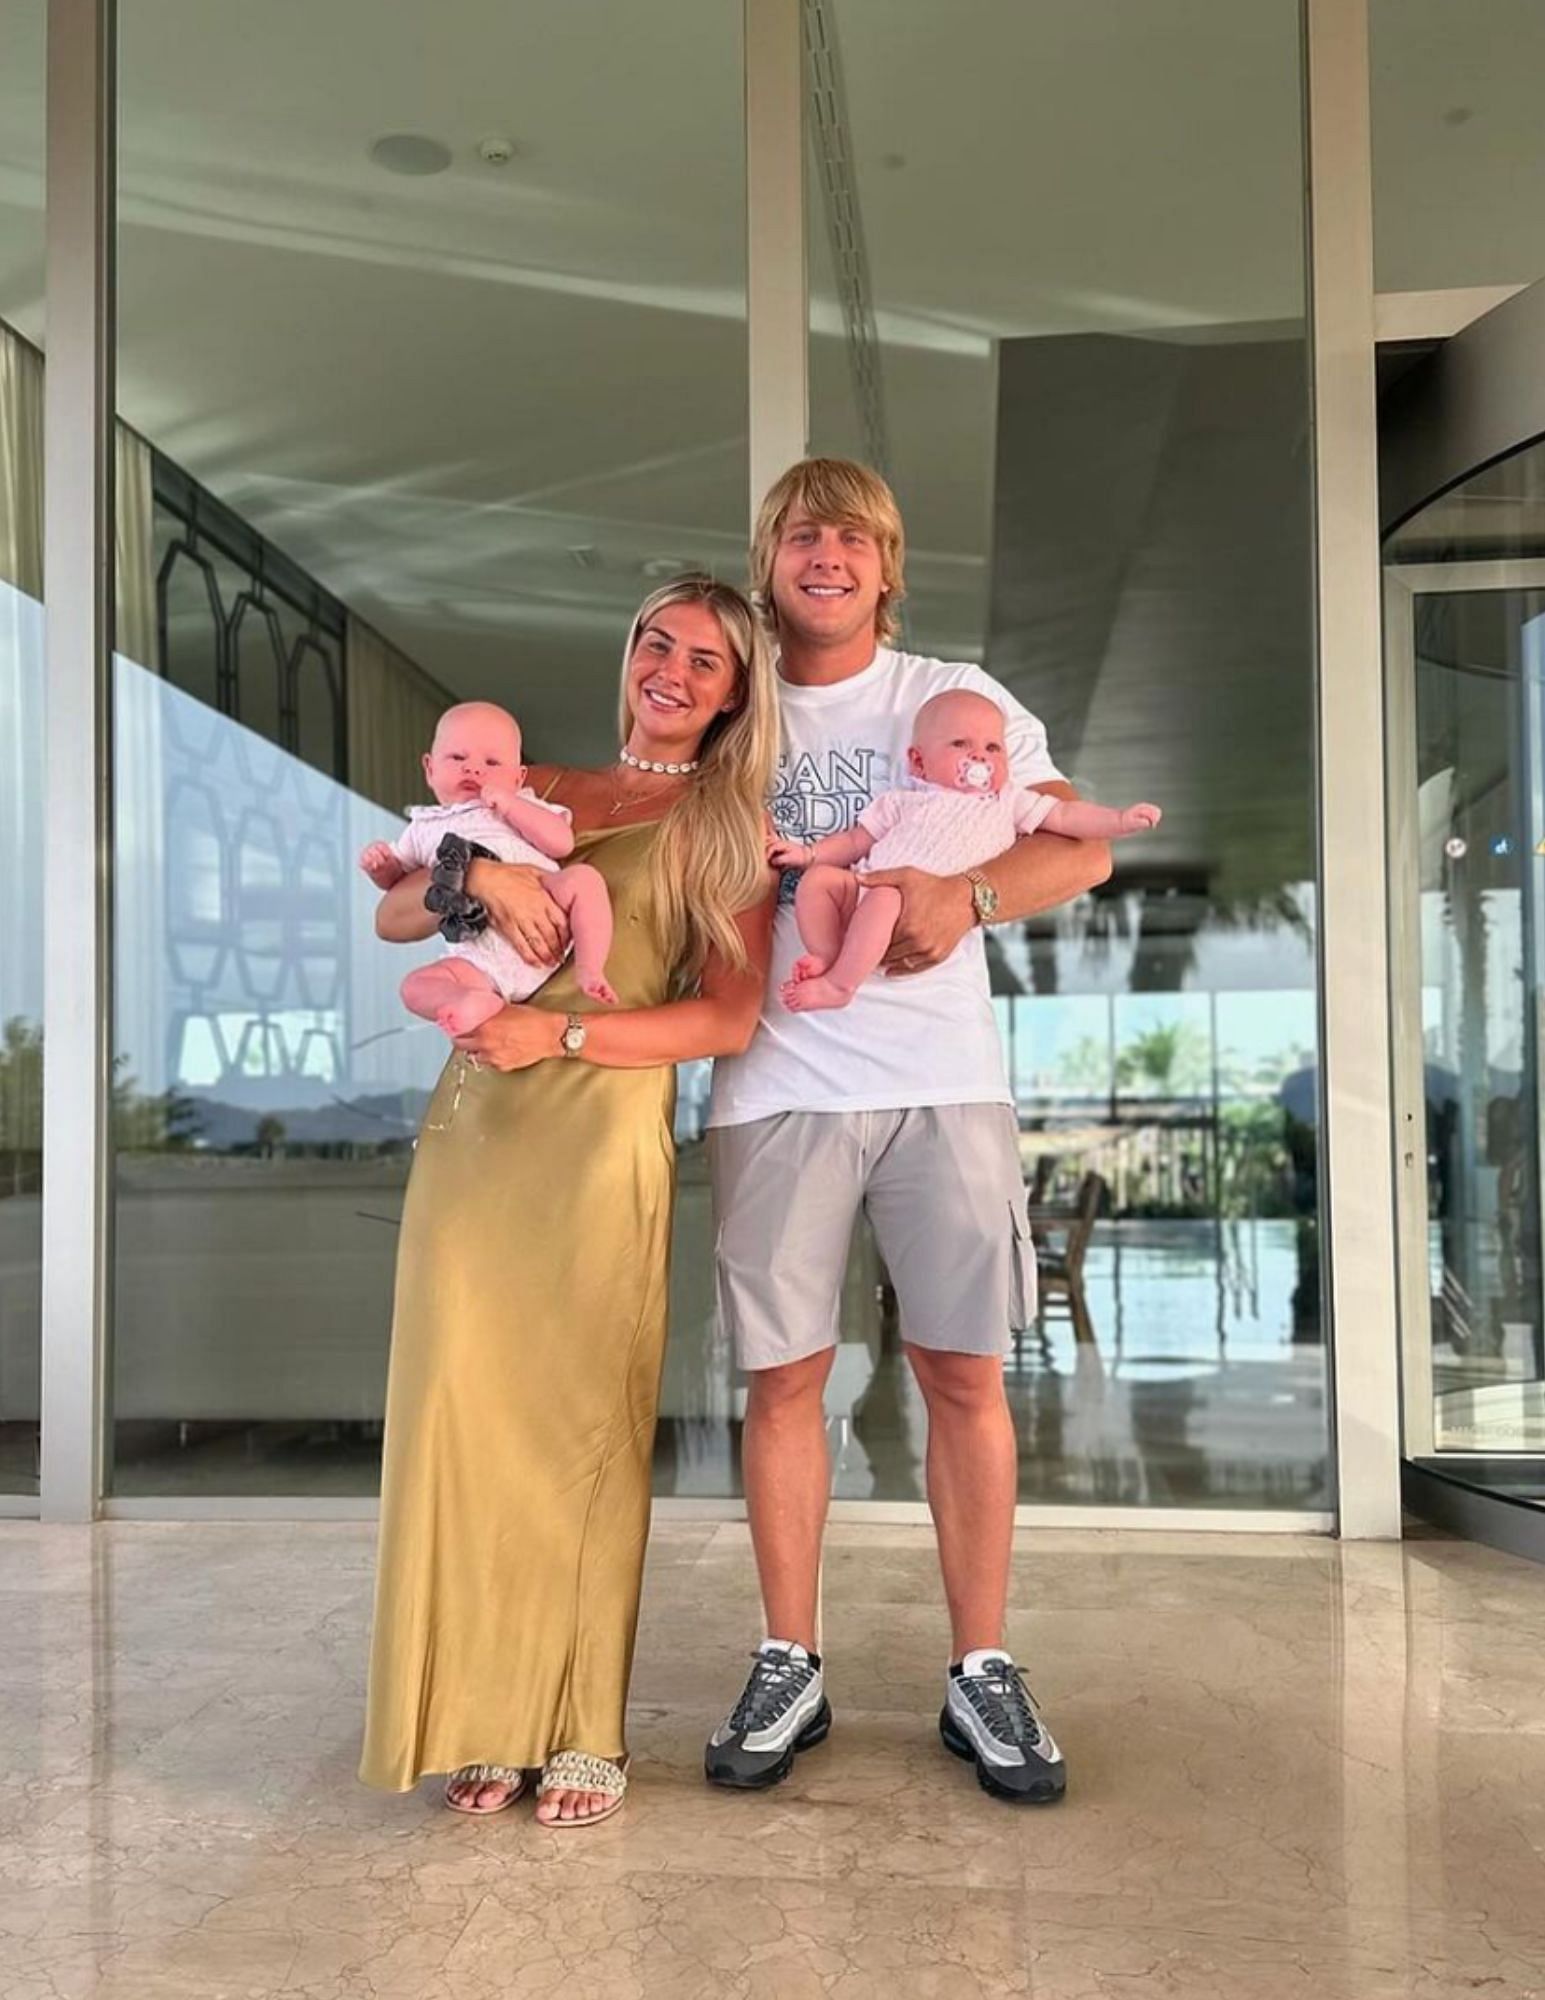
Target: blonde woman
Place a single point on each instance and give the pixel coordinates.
(532, 1273)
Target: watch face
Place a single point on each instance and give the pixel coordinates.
(986, 899)
(574, 1039)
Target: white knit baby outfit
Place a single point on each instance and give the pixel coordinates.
(940, 830)
(490, 950)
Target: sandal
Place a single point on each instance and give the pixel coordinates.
(486, 1774)
(575, 1771)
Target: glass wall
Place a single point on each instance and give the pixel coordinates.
(432, 341)
(1058, 283)
(21, 736)
(1467, 638)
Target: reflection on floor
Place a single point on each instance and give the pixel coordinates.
(1297, 1768)
(1193, 1391)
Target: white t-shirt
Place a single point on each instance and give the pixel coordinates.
(930, 1038)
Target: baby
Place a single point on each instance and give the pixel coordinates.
(475, 771)
(964, 811)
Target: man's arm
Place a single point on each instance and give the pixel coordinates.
(1037, 873)
(1044, 869)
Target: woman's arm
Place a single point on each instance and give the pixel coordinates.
(719, 1020)
(517, 905)
(400, 915)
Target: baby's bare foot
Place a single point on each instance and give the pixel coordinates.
(467, 1011)
(811, 966)
(593, 985)
(812, 996)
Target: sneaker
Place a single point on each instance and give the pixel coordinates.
(990, 1716)
(782, 1710)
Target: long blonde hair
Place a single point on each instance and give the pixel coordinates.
(710, 855)
(844, 494)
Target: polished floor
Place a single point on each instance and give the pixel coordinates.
(1298, 1769)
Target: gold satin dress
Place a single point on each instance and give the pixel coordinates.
(527, 1343)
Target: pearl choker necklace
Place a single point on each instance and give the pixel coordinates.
(626, 756)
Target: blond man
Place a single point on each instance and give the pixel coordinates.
(899, 1104)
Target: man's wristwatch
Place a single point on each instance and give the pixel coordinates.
(984, 897)
(572, 1040)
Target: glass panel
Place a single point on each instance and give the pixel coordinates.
(21, 738)
(447, 409)
(1479, 684)
(1458, 144)
(1097, 431)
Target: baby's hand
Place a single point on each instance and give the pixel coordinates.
(1140, 819)
(382, 865)
(500, 793)
(788, 853)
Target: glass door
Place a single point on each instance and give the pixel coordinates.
(1465, 657)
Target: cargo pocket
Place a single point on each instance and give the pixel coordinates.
(1024, 1285)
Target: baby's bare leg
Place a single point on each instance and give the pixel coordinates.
(457, 994)
(823, 908)
(869, 935)
(581, 893)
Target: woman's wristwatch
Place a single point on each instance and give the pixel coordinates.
(572, 1040)
(984, 897)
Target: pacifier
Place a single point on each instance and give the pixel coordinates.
(976, 775)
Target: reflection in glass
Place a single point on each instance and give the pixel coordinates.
(268, 1092)
(1100, 444)
(22, 331)
(413, 440)
(21, 1031)
(1474, 562)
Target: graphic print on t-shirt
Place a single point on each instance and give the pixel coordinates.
(820, 792)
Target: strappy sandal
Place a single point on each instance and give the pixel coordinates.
(575, 1771)
(486, 1774)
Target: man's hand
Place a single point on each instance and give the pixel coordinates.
(382, 865)
(520, 908)
(936, 913)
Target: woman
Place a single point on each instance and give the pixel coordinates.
(533, 1266)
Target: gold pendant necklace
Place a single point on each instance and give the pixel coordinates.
(620, 799)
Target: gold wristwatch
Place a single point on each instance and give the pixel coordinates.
(572, 1040)
(984, 897)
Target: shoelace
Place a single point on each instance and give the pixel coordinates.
(1001, 1698)
(775, 1682)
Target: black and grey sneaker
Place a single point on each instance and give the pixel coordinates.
(990, 1716)
(782, 1709)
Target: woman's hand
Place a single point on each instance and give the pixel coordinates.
(515, 1038)
(520, 909)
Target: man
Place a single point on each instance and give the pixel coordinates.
(898, 1102)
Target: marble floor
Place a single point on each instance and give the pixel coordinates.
(1298, 1769)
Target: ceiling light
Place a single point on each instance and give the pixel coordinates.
(410, 153)
(496, 152)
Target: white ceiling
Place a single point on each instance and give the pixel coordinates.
(480, 406)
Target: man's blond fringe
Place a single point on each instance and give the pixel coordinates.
(843, 494)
